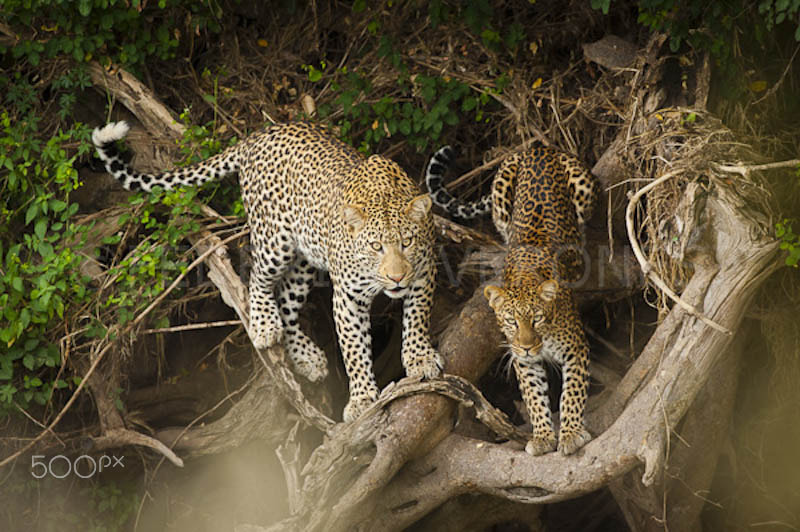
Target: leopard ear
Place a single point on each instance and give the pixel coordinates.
(353, 217)
(419, 207)
(495, 295)
(548, 290)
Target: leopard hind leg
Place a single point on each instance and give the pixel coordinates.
(308, 359)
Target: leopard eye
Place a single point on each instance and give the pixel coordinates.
(538, 317)
(406, 242)
(376, 245)
(511, 322)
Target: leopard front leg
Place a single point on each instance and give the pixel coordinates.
(272, 255)
(573, 435)
(351, 316)
(419, 357)
(533, 386)
(308, 359)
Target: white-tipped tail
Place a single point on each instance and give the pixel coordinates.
(110, 133)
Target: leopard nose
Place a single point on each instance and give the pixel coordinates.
(396, 277)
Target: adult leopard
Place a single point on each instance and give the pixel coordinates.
(540, 201)
(314, 202)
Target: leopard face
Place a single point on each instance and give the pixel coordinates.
(525, 317)
(390, 240)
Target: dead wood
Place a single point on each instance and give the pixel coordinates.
(676, 501)
(137, 98)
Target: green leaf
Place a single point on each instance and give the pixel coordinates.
(58, 205)
(314, 75)
(469, 103)
(405, 126)
(28, 361)
(85, 7)
(31, 213)
(40, 228)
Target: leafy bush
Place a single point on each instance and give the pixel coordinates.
(127, 33)
(419, 112)
(42, 290)
(418, 108)
(39, 271)
(711, 26)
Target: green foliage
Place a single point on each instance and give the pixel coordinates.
(110, 506)
(198, 144)
(711, 25)
(42, 289)
(777, 11)
(314, 74)
(420, 105)
(127, 33)
(199, 141)
(39, 271)
(417, 111)
(145, 271)
(95, 504)
(602, 5)
(790, 242)
(478, 17)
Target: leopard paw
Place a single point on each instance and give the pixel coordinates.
(266, 329)
(570, 439)
(541, 444)
(266, 337)
(308, 359)
(428, 364)
(356, 406)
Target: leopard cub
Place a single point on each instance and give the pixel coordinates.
(540, 200)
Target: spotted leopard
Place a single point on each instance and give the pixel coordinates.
(540, 200)
(314, 202)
